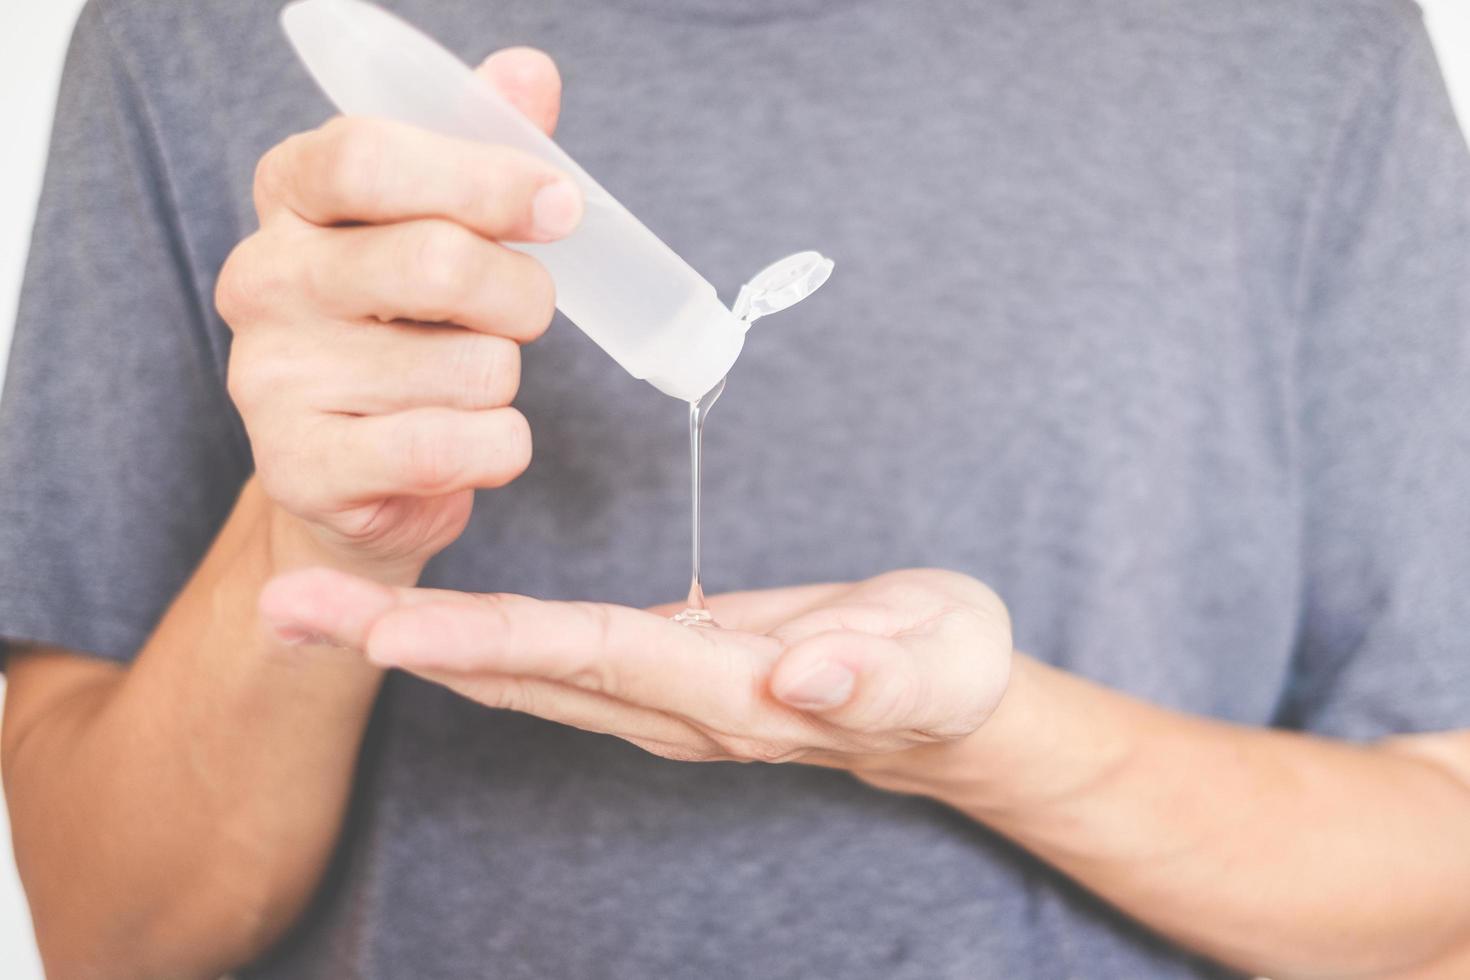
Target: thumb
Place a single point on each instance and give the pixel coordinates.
(856, 680)
(529, 80)
(323, 605)
(320, 605)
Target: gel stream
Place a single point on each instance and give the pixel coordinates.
(775, 288)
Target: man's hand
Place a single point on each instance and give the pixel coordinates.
(377, 320)
(827, 674)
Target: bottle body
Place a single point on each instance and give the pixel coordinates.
(641, 303)
(617, 281)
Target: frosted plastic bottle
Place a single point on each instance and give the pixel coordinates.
(627, 290)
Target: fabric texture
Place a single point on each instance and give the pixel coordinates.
(1154, 316)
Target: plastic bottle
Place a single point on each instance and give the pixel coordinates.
(616, 280)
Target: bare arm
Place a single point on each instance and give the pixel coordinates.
(1279, 853)
(1275, 852)
(172, 818)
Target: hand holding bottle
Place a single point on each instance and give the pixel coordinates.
(377, 320)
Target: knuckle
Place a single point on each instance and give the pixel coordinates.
(492, 605)
(513, 694)
(255, 279)
(540, 292)
(595, 673)
(745, 749)
(318, 285)
(504, 378)
(271, 175)
(358, 525)
(232, 300)
(240, 380)
(351, 161)
(603, 631)
(249, 376)
(431, 462)
(237, 293)
(444, 262)
(292, 458)
(473, 189)
(596, 678)
(487, 369)
(493, 189)
(515, 446)
(265, 368)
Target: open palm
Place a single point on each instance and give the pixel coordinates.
(821, 673)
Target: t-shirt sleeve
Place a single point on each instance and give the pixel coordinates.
(1385, 418)
(120, 455)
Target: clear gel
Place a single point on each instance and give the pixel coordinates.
(695, 613)
(776, 287)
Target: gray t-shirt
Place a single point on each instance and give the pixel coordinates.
(1155, 316)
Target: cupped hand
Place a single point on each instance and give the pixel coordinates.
(827, 674)
(377, 319)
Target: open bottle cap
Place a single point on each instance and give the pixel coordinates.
(781, 285)
(709, 342)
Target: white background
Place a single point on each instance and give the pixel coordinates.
(33, 36)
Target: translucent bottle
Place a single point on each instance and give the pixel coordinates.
(616, 280)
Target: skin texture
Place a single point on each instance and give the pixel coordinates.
(377, 323)
(377, 319)
(1259, 848)
(828, 674)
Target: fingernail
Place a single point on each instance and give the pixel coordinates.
(824, 685)
(556, 209)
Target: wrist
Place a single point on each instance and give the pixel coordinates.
(293, 543)
(214, 627)
(1038, 748)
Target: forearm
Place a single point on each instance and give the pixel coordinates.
(1271, 851)
(172, 818)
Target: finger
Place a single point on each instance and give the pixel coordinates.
(822, 672)
(933, 682)
(320, 605)
(590, 711)
(379, 171)
(710, 675)
(422, 452)
(430, 270)
(529, 81)
(379, 369)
